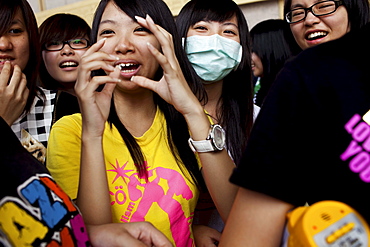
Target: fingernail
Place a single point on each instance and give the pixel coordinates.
(115, 58)
(148, 18)
(101, 41)
(139, 18)
(132, 78)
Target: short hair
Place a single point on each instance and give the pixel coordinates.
(8, 10)
(60, 27)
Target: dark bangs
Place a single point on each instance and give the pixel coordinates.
(61, 27)
(7, 13)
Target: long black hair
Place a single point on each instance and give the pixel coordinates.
(8, 10)
(270, 42)
(235, 111)
(177, 129)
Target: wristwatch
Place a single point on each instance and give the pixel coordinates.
(214, 142)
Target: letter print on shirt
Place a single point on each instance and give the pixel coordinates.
(358, 151)
(161, 198)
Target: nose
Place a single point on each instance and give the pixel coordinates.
(311, 19)
(67, 50)
(124, 46)
(5, 43)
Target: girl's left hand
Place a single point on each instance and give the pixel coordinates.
(172, 87)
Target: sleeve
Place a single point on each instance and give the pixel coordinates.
(276, 148)
(63, 153)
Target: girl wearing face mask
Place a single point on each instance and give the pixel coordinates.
(215, 38)
(64, 39)
(314, 22)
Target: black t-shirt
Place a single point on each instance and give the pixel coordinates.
(34, 211)
(309, 142)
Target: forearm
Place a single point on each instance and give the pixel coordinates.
(216, 166)
(255, 220)
(216, 171)
(93, 193)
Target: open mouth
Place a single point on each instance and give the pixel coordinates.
(2, 60)
(128, 67)
(316, 35)
(68, 64)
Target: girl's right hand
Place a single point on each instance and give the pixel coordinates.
(13, 92)
(95, 105)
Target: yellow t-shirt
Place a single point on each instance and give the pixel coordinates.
(168, 200)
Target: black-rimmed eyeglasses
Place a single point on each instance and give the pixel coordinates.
(75, 44)
(317, 9)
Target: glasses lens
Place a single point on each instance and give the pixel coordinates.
(54, 45)
(318, 9)
(78, 43)
(324, 8)
(296, 15)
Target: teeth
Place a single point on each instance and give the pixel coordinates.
(315, 35)
(65, 64)
(123, 66)
(4, 59)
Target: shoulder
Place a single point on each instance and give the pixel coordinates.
(69, 121)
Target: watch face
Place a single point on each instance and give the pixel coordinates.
(219, 137)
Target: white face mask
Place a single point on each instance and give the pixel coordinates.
(213, 57)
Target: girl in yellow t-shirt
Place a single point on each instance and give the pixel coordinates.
(126, 157)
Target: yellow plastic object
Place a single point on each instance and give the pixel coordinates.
(327, 224)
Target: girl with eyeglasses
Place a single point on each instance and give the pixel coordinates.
(314, 22)
(64, 39)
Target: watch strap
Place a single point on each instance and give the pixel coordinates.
(201, 146)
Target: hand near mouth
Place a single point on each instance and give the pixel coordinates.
(94, 103)
(13, 92)
(172, 87)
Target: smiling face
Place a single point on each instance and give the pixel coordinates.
(228, 29)
(127, 40)
(63, 65)
(315, 30)
(14, 44)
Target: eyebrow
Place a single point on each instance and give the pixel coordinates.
(230, 24)
(16, 21)
(107, 21)
(299, 5)
(223, 24)
(113, 22)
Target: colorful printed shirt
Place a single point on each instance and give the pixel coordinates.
(34, 210)
(167, 200)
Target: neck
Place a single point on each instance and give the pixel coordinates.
(136, 112)
(214, 92)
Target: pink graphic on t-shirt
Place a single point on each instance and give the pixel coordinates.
(357, 152)
(152, 192)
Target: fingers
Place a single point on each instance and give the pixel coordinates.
(164, 38)
(5, 74)
(92, 60)
(151, 236)
(144, 82)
